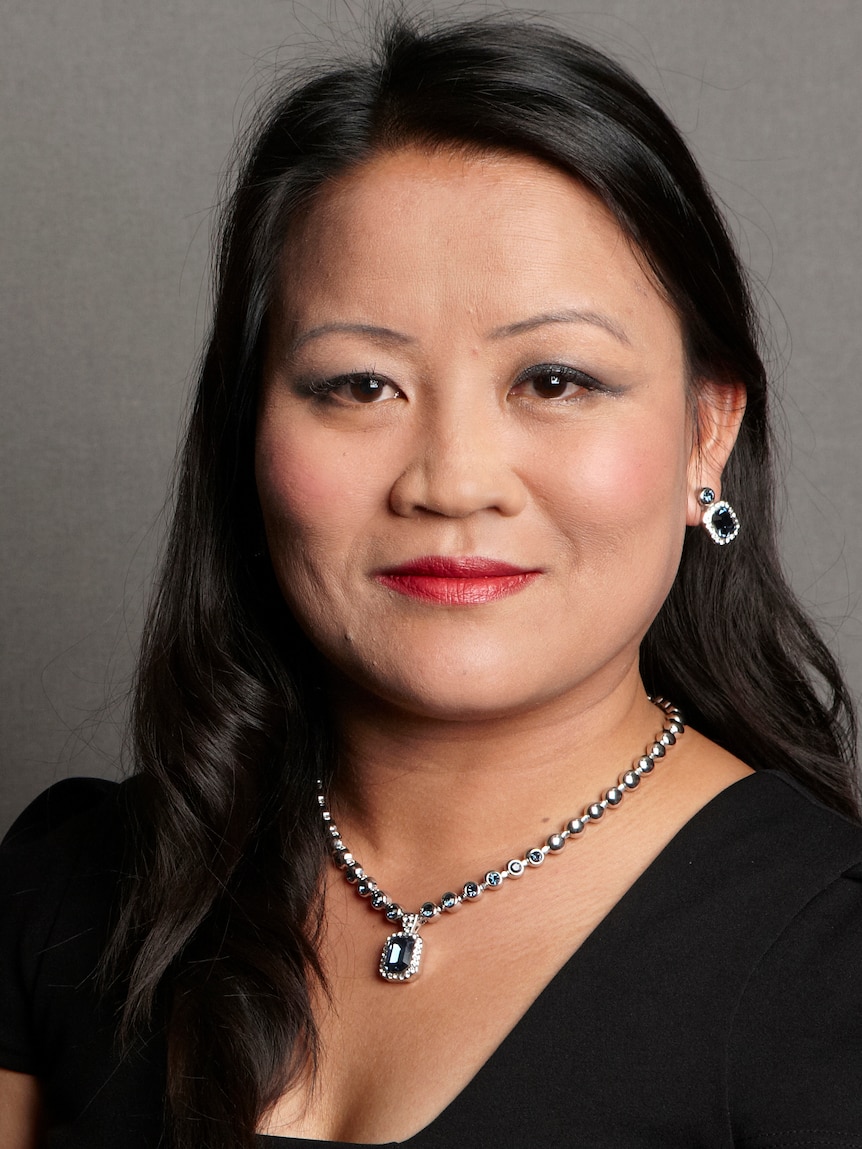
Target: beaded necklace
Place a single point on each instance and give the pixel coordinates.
(401, 956)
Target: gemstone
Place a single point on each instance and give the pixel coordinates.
(471, 891)
(707, 496)
(400, 958)
(394, 913)
(493, 878)
(427, 910)
(723, 524)
(449, 901)
(535, 857)
(515, 868)
(398, 952)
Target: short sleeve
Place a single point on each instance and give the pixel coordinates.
(796, 1049)
(40, 858)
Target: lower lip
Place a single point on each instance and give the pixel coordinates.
(457, 591)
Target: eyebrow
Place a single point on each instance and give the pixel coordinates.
(378, 334)
(386, 335)
(566, 315)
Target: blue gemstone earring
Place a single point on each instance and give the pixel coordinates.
(719, 518)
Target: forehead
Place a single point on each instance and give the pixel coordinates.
(491, 236)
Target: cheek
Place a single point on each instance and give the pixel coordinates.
(315, 489)
(321, 497)
(645, 478)
(301, 497)
(629, 471)
(619, 500)
(295, 485)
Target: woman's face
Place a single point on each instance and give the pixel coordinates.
(467, 361)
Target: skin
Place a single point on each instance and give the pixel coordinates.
(20, 1113)
(455, 457)
(470, 732)
(447, 279)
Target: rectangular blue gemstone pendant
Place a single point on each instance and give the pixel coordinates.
(400, 958)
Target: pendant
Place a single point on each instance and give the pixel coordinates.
(402, 951)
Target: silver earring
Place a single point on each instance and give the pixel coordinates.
(719, 518)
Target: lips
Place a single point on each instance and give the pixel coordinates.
(469, 580)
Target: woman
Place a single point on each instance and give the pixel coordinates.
(479, 461)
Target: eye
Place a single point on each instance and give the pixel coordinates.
(368, 388)
(554, 381)
(362, 388)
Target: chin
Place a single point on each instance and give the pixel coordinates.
(470, 677)
(457, 695)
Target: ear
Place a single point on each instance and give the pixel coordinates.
(718, 412)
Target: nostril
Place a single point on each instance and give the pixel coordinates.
(443, 487)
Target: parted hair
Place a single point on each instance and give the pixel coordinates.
(216, 934)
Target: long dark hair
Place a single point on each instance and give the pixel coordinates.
(219, 923)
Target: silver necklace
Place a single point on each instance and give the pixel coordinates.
(402, 952)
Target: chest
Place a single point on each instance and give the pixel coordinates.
(395, 1056)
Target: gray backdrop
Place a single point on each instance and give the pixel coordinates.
(117, 117)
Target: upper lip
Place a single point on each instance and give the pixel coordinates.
(462, 566)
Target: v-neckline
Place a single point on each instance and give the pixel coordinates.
(627, 905)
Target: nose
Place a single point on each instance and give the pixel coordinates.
(461, 464)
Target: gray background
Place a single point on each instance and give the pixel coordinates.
(117, 118)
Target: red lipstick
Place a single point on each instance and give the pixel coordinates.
(467, 581)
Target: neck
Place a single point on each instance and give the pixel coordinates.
(424, 802)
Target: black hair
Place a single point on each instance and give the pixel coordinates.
(219, 922)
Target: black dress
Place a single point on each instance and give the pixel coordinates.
(718, 1004)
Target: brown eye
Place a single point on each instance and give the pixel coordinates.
(553, 381)
(367, 388)
(351, 390)
(550, 384)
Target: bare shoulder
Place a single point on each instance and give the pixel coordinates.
(20, 1111)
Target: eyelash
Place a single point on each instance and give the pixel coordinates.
(321, 388)
(565, 374)
(325, 387)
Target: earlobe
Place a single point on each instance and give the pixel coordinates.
(720, 408)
